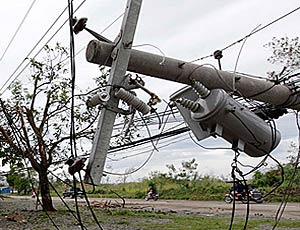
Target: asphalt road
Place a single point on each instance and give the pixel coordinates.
(203, 208)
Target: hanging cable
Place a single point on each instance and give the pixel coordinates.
(238, 57)
(287, 193)
(17, 30)
(18, 144)
(233, 165)
(144, 163)
(72, 126)
(11, 79)
(38, 199)
(249, 35)
(72, 120)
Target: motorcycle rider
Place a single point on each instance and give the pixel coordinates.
(240, 188)
(152, 189)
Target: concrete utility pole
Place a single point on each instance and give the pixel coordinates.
(120, 56)
(179, 71)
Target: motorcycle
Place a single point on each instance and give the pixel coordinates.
(254, 195)
(150, 195)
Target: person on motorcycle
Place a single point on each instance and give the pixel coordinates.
(240, 188)
(152, 189)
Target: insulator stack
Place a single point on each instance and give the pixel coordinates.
(133, 100)
(188, 104)
(99, 98)
(200, 89)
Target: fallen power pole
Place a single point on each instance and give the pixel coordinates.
(183, 72)
(122, 58)
(122, 49)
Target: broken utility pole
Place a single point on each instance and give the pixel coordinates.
(183, 72)
(121, 53)
(121, 58)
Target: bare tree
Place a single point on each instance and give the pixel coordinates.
(35, 120)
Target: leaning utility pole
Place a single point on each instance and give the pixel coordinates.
(183, 72)
(121, 58)
(120, 55)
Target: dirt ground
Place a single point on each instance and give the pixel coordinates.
(18, 213)
(22, 214)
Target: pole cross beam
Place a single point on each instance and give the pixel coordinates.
(120, 54)
(183, 72)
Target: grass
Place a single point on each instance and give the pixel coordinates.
(150, 221)
(134, 219)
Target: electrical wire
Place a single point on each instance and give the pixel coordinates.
(287, 193)
(156, 47)
(17, 30)
(251, 34)
(204, 147)
(146, 151)
(216, 70)
(149, 139)
(14, 131)
(39, 41)
(38, 199)
(238, 57)
(234, 191)
(148, 131)
(281, 174)
(72, 120)
(2, 90)
(113, 22)
(65, 204)
(143, 164)
(106, 28)
(72, 126)
(163, 135)
(235, 169)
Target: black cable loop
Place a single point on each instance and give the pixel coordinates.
(88, 202)
(65, 204)
(72, 125)
(233, 170)
(234, 193)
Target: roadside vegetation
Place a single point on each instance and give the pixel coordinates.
(129, 219)
(184, 183)
(190, 186)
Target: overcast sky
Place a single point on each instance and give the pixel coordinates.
(184, 30)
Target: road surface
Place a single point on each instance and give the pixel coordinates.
(205, 208)
(202, 208)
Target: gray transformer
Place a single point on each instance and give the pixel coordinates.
(215, 113)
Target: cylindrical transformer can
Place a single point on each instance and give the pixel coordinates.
(221, 115)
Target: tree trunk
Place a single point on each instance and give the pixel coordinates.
(45, 191)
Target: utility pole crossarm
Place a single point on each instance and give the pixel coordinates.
(120, 52)
(183, 72)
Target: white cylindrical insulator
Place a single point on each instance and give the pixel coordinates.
(133, 100)
(200, 89)
(98, 98)
(186, 103)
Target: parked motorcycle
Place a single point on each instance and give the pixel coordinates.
(254, 195)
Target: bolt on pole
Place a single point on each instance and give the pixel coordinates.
(120, 55)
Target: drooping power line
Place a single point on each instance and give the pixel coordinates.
(17, 30)
(4, 86)
(251, 34)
